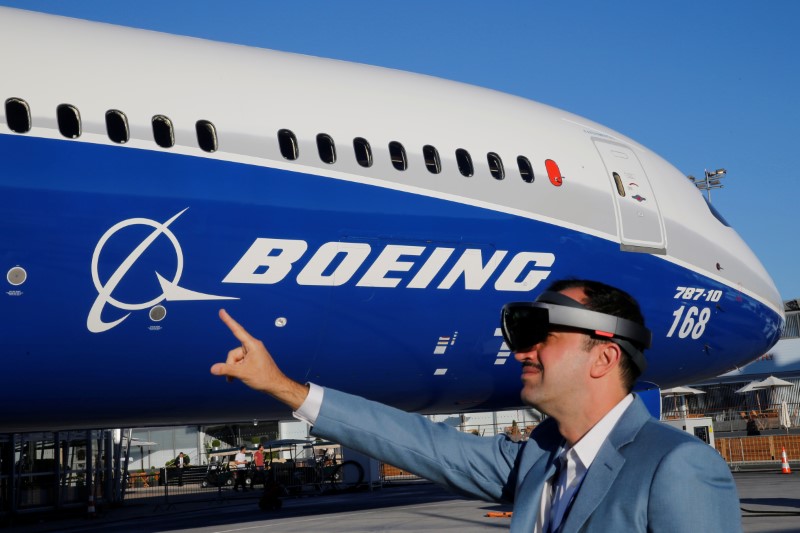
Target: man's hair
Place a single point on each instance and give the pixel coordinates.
(612, 301)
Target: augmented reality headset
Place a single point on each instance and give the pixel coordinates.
(525, 324)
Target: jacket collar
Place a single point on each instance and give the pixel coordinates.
(606, 465)
(537, 464)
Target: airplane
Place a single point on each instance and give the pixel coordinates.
(367, 224)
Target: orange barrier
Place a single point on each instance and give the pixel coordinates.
(764, 448)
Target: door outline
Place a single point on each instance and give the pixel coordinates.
(640, 225)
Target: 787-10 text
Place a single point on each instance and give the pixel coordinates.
(696, 293)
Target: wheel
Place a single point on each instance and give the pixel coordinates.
(204, 483)
(229, 481)
(347, 475)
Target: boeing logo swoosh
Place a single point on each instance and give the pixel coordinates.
(170, 290)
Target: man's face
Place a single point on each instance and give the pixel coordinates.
(553, 369)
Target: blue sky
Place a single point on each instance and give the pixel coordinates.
(706, 84)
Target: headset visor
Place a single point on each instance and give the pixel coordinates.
(525, 324)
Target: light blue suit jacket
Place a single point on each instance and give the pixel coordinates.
(647, 476)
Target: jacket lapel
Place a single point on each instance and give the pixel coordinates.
(606, 466)
(538, 463)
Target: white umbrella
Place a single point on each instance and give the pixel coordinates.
(753, 386)
(750, 387)
(142, 444)
(785, 421)
(772, 381)
(681, 391)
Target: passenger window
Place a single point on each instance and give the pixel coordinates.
(432, 161)
(69, 121)
(618, 183)
(363, 152)
(495, 166)
(288, 144)
(163, 132)
(398, 154)
(206, 135)
(464, 161)
(326, 148)
(18, 115)
(525, 169)
(117, 126)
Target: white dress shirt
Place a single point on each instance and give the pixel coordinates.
(557, 498)
(309, 411)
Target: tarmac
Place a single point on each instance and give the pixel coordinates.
(770, 502)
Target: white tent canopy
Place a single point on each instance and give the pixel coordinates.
(681, 391)
(750, 387)
(772, 381)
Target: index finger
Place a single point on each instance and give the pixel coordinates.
(238, 331)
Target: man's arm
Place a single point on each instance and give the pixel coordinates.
(480, 467)
(469, 464)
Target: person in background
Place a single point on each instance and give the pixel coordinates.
(241, 469)
(753, 428)
(258, 460)
(180, 462)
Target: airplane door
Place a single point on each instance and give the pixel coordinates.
(641, 228)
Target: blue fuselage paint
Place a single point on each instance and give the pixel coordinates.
(61, 198)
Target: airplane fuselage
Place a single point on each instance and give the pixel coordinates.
(367, 224)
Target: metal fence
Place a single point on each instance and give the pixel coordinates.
(760, 450)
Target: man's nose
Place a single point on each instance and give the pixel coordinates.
(526, 355)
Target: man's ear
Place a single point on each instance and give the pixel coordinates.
(607, 356)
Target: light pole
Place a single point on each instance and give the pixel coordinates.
(711, 181)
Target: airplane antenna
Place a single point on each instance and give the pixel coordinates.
(711, 181)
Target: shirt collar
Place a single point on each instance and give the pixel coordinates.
(587, 448)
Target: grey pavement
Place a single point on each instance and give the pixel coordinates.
(770, 502)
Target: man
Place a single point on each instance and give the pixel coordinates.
(258, 460)
(241, 469)
(600, 462)
(180, 462)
